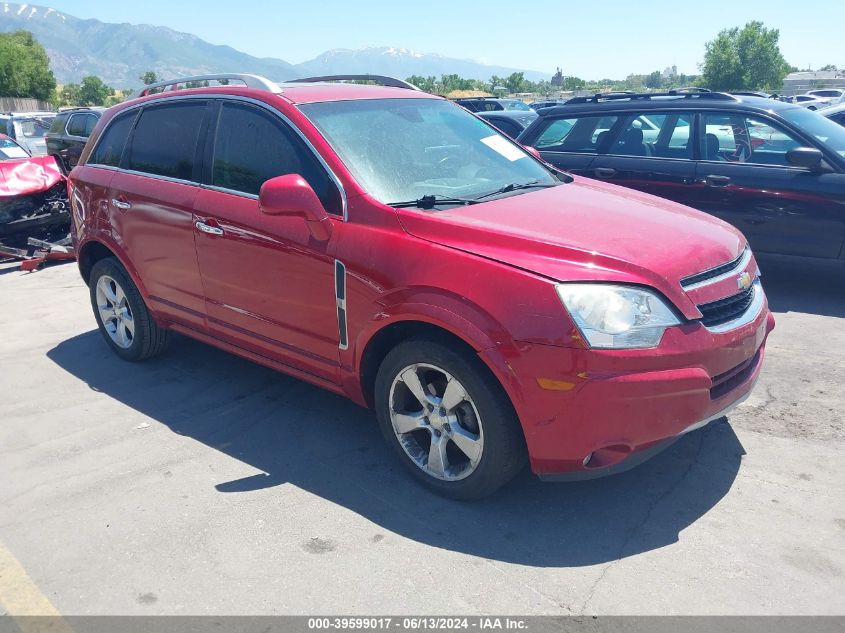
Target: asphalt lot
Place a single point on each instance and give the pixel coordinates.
(199, 483)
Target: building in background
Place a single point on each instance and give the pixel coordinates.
(801, 82)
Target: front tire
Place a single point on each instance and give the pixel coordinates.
(449, 419)
(122, 316)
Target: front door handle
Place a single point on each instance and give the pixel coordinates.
(211, 230)
(605, 172)
(121, 204)
(717, 181)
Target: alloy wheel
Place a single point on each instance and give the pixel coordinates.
(436, 422)
(115, 313)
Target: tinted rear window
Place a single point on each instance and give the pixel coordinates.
(81, 124)
(165, 140)
(110, 147)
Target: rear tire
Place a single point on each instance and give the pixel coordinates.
(448, 419)
(122, 316)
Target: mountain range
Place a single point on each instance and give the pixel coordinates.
(119, 53)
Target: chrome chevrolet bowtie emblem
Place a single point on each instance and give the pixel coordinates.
(743, 282)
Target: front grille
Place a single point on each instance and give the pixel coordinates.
(728, 309)
(731, 379)
(706, 275)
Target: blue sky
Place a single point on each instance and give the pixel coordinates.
(592, 40)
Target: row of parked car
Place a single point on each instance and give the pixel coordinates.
(512, 116)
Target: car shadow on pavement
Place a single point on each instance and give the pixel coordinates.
(806, 289)
(301, 435)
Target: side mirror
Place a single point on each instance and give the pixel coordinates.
(292, 195)
(806, 157)
(533, 151)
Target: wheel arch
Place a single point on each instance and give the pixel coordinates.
(387, 337)
(96, 249)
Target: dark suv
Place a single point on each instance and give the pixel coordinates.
(68, 134)
(774, 170)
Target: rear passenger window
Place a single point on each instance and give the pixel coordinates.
(581, 135)
(165, 140)
(110, 147)
(80, 125)
(663, 135)
(252, 146)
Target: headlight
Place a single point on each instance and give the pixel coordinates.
(617, 317)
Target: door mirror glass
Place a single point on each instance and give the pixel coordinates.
(292, 195)
(806, 157)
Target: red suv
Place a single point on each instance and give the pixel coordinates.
(387, 245)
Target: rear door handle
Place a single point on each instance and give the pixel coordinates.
(211, 230)
(717, 181)
(121, 204)
(605, 172)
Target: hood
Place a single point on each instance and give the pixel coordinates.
(25, 176)
(588, 231)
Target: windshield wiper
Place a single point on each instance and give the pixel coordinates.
(431, 201)
(516, 186)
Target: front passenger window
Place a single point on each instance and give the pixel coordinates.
(252, 146)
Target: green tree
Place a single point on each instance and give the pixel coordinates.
(25, 67)
(654, 80)
(93, 92)
(148, 77)
(744, 59)
(829, 68)
(70, 95)
(515, 83)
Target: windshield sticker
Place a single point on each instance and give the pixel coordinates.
(15, 152)
(503, 147)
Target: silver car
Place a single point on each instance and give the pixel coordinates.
(28, 129)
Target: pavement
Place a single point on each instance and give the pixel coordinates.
(199, 483)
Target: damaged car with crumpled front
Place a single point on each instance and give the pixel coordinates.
(33, 197)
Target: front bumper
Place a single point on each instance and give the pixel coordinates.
(588, 413)
(635, 459)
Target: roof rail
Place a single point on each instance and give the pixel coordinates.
(381, 80)
(250, 81)
(685, 93)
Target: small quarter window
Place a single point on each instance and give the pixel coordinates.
(583, 135)
(110, 147)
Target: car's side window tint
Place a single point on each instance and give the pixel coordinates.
(90, 124)
(110, 146)
(165, 139)
(252, 146)
(581, 135)
(742, 139)
(76, 125)
(508, 127)
(663, 135)
(58, 125)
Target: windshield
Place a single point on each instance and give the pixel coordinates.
(10, 149)
(515, 105)
(823, 129)
(404, 149)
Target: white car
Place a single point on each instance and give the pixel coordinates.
(829, 96)
(810, 102)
